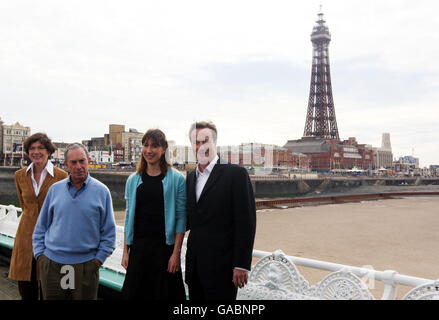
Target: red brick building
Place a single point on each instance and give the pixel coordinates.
(119, 153)
(326, 155)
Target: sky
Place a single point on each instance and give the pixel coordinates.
(71, 68)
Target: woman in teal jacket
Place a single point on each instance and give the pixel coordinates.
(155, 224)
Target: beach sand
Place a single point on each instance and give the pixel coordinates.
(395, 234)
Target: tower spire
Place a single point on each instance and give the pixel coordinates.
(320, 118)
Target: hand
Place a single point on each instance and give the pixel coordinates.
(98, 263)
(125, 257)
(240, 278)
(174, 263)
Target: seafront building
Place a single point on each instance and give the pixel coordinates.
(383, 157)
(259, 155)
(58, 155)
(122, 146)
(97, 143)
(306, 154)
(327, 155)
(132, 144)
(407, 165)
(181, 155)
(101, 157)
(434, 169)
(11, 143)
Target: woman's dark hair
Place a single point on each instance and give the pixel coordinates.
(43, 139)
(158, 137)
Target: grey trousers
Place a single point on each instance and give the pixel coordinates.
(68, 282)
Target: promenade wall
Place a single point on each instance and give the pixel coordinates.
(262, 188)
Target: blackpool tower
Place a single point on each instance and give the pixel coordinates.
(320, 117)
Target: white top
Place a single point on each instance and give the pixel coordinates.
(47, 169)
(202, 177)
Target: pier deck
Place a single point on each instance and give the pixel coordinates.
(8, 287)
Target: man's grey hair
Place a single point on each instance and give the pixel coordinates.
(75, 145)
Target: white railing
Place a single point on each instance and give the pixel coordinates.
(275, 275)
(9, 219)
(390, 278)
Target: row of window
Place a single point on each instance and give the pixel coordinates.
(14, 149)
(15, 132)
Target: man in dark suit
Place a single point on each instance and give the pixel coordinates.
(221, 219)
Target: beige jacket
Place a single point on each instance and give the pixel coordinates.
(21, 260)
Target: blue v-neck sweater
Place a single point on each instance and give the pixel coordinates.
(75, 226)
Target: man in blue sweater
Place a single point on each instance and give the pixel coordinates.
(75, 232)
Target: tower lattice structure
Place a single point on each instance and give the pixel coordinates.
(320, 118)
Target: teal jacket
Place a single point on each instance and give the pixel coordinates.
(174, 196)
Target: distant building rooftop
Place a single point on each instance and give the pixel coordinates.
(308, 145)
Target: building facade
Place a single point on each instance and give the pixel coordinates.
(97, 143)
(406, 164)
(434, 169)
(101, 157)
(382, 159)
(181, 155)
(257, 155)
(326, 155)
(132, 144)
(58, 155)
(122, 146)
(11, 143)
(118, 153)
(115, 134)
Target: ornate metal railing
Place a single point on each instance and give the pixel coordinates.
(274, 276)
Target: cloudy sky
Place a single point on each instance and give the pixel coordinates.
(71, 68)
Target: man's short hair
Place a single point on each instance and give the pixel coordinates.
(75, 145)
(204, 125)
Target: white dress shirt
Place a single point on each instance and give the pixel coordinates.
(47, 169)
(202, 177)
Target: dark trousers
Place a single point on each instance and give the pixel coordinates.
(68, 282)
(30, 290)
(225, 290)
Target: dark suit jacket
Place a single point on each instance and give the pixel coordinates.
(222, 226)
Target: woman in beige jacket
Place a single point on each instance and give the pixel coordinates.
(32, 184)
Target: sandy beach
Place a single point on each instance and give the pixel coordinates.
(396, 234)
